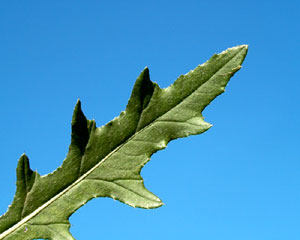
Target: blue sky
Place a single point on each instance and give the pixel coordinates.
(239, 180)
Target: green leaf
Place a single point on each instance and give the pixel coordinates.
(107, 161)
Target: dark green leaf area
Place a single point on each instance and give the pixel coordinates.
(25, 180)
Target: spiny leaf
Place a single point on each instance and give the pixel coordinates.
(107, 161)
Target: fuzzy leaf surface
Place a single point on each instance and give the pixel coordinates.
(107, 161)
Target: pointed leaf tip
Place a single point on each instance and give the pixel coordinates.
(241, 46)
(145, 72)
(78, 103)
(23, 155)
(23, 163)
(244, 47)
(77, 112)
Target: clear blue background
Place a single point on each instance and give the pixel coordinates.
(239, 180)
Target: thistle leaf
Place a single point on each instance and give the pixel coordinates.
(107, 161)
